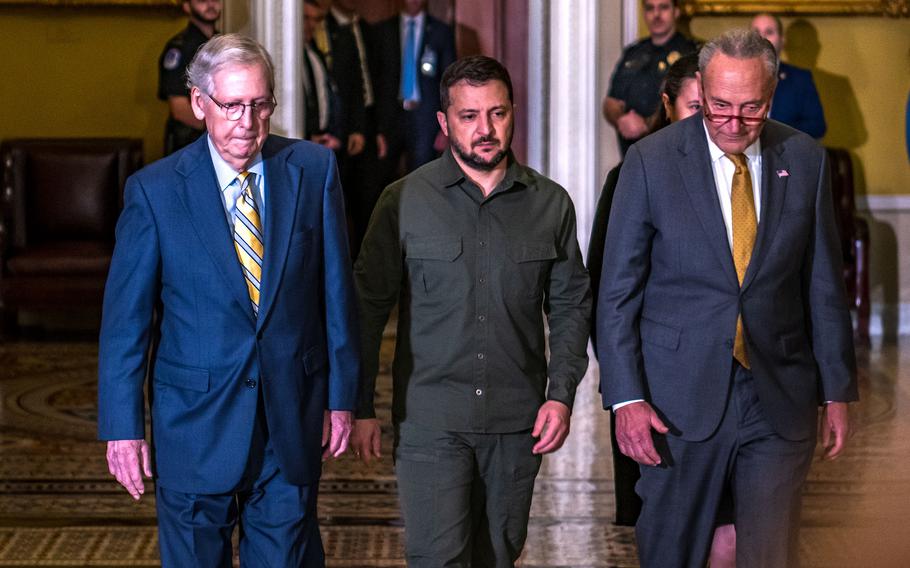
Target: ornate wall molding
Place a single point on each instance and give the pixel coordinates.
(892, 8)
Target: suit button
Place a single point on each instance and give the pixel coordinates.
(251, 383)
(259, 336)
(729, 343)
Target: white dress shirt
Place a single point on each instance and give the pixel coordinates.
(230, 191)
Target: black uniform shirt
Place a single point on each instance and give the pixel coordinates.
(473, 277)
(177, 54)
(637, 77)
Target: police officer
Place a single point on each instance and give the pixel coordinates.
(635, 85)
(182, 126)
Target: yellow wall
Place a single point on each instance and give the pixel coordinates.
(84, 72)
(862, 69)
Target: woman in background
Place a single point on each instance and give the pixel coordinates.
(681, 99)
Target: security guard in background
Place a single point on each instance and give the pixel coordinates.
(182, 126)
(635, 86)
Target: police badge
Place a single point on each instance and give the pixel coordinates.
(171, 59)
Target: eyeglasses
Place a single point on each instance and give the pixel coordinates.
(234, 111)
(720, 119)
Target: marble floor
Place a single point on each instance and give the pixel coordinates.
(59, 506)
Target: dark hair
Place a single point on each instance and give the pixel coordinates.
(476, 70)
(675, 3)
(682, 69)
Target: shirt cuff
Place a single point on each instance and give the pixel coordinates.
(619, 405)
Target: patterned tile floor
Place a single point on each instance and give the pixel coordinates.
(59, 507)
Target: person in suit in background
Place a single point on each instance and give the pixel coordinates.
(322, 106)
(412, 49)
(722, 318)
(237, 244)
(796, 101)
(182, 126)
(346, 49)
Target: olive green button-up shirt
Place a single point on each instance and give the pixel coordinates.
(474, 278)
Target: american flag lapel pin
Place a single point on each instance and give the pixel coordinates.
(783, 173)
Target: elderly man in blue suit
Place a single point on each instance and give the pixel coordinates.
(722, 318)
(230, 287)
(796, 101)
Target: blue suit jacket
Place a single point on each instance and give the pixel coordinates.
(669, 295)
(175, 251)
(796, 101)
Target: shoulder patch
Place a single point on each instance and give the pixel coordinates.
(171, 59)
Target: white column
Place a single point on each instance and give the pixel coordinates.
(573, 46)
(278, 25)
(573, 106)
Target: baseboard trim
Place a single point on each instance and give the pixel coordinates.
(889, 319)
(875, 203)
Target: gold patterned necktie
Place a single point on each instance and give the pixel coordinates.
(745, 226)
(321, 39)
(248, 237)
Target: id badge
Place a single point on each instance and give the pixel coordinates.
(428, 62)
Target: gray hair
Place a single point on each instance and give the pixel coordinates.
(224, 50)
(741, 44)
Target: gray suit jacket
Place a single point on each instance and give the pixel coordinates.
(669, 296)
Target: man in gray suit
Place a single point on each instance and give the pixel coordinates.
(723, 324)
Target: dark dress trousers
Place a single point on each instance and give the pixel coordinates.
(667, 310)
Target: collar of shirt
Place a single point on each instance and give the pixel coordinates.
(453, 175)
(341, 18)
(419, 23)
(226, 176)
(723, 170)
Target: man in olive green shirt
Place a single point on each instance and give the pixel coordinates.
(475, 249)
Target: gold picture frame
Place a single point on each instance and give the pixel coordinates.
(94, 3)
(892, 8)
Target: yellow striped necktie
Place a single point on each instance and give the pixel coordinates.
(745, 227)
(248, 237)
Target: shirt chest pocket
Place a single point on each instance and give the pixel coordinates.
(531, 263)
(435, 266)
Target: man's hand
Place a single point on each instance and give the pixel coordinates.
(336, 432)
(632, 126)
(327, 140)
(633, 432)
(366, 439)
(382, 147)
(356, 142)
(124, 458)
(835, 428)
(551, 426)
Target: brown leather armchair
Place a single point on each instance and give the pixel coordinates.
(854, 236)
(59, 203)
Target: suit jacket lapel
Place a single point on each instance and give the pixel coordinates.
(773, 190)
(695, 170)
(200, 195)
(282, 187)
